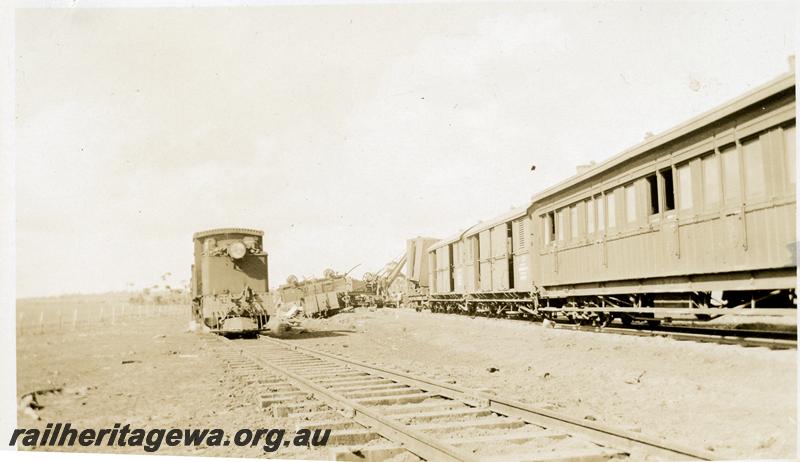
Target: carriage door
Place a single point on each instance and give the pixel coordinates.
(669, 227)
(500, 257)
(432, 273)
(472, 281)
(485, 260)
(456, 284)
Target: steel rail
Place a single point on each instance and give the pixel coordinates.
(724, 336)
(602, 434)
(721, 331)
(414, 441)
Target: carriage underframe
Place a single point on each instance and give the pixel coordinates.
(603, 309)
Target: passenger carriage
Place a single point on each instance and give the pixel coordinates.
(695, 220)
(700, 217)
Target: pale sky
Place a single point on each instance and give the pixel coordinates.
(339, 130)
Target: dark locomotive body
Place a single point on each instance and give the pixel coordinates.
(694, 222)
(230, 284)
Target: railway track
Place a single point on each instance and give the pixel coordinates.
(743, 337)
(774, 339)
(376, 413)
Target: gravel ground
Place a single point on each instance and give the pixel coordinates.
(148, 373)
(737, 402)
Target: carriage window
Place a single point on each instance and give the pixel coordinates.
(669, 190)
(789, 146)
(612, 210)
(753, 168)
(590, 216)
(652, 187)
(573, 221)
(730, 175)
(601, 214)
(549, 228)
(522, 233)
(561, 225)
(711, 180)
(685, 185)
(630, 203)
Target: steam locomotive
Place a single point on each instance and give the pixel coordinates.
(230, 284)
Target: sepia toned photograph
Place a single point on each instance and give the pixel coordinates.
(399, 231)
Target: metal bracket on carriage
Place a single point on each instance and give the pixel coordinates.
(528, 310)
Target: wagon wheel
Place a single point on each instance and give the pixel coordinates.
(601, 319)
(577, 320)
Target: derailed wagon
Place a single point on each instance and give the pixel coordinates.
(320, 296)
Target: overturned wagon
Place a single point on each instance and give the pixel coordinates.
(320, 296)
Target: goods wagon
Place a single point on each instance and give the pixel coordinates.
(335, 291)
(485, 268)
(417, 271)
(692, 221)
(320, 296)
(230, 284)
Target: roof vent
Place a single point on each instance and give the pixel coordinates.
(581, 169)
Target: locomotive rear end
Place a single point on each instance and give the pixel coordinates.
(230, 284)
